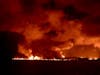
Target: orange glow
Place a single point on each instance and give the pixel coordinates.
(27, 53)
(60, 51)
(63, 56)
(29, 58)
(91, 58)
(67, 31)
(49, 30)
(34, 58)
(24, 51)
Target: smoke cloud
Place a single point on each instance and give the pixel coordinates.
(69, 22)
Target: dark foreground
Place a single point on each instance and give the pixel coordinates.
(74, 67)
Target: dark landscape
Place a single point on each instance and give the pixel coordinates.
(73, 67)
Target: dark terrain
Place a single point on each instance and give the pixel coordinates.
(74, 67)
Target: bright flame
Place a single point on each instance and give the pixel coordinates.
(27, 53)
(34, 58)
(29, 58)
(95, 58)
(63, 56)
(60, 50)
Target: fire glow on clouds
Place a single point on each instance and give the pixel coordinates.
(50, 33)
(72, 29)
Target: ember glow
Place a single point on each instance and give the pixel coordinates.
(29, 58)
(93, 58)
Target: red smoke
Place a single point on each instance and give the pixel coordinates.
(50, 24)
